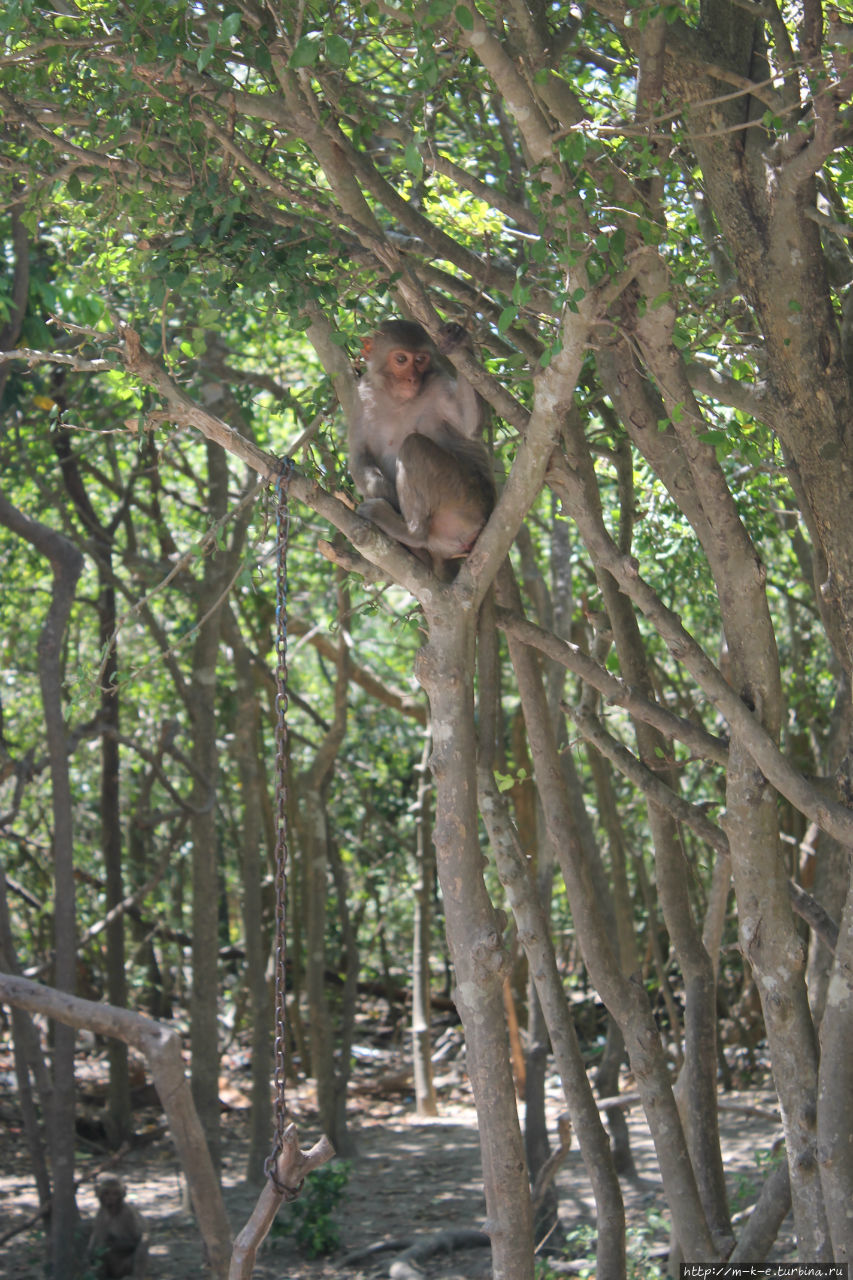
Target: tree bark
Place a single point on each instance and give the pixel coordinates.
(534, 935)
(29, 1064)
(67, 565)
(835, 1093)
(162, 1050)
(624, 998)
(699, 1070)
(119, 1119)
(444, 668)
(425, 1096)
(330, 1070)
(246, 730)
(204, 1022)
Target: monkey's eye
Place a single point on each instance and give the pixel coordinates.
(401, 358)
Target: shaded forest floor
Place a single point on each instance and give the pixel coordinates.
(411, 1177)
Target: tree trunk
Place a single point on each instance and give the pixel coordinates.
(157, 994)
(425, 1097)
(445, 668)
(607, 1075)
(699, 1070)
(835, 1096)
(118, 1119)
(246, 730)
(204, 1022)
(624, 998)
(313, 846)
(313, 825)
(349, 962)
(29, 1064)
(162, 1050)
(67, 565)
(537, 1146)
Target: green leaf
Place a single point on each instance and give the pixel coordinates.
(617, 246)
(230, 26)
(337, 51)
(413, 160)
(464, 17)
(307, 51)
(506, 318)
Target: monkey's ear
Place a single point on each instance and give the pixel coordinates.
(366, 347)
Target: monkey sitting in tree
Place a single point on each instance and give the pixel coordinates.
(118, 1245)
(415, 450)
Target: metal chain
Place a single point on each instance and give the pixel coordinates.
(280, 1106)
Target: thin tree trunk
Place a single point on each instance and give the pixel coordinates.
(119, 1119)
(29, 1064)
(119, 1114)
(700, 1058)
(246, 730)
(625, 998)
(67, 565)
(536, 938)
(425, 1097)
(313, 825)
(162, 1050)
(607, 1074)
(762, 1227)
(835, 1097)
(314, 850)
(767, 929)
(444, 668)
(548, 1010)
(832, 867)
(204, 1022)
(139, 832)
(348, 1002)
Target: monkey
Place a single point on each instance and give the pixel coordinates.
(118, 1245)
(415, 449)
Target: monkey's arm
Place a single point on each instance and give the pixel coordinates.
(140, 1257)
(369, 478)
(364, 448)
(469, 405)
(412, 533)
(96, 1239)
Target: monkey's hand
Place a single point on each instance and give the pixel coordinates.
(373, 483)
(452, 336)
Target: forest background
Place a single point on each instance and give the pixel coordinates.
(641, 213)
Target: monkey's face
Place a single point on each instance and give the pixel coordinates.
(405, 371)
(111, 1196)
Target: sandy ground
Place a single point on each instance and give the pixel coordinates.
(410, 1177)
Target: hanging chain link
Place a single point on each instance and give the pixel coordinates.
(281, 854)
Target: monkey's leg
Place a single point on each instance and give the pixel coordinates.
(445, 495)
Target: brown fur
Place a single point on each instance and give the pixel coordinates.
(415, 448)
(118, 1245)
